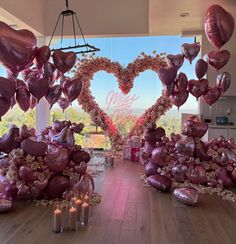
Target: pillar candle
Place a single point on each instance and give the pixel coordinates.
(72, 218)
(78, 206)
(85, 213)
(57, 220)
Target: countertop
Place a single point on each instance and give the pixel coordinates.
(222, 126)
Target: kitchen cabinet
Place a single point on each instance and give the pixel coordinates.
(217, 131)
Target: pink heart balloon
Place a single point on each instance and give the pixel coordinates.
(79, 156)
(179, 98)
(49, 72)
(160, 156)
(7, 88)
(23, 98)
(72, 89)
(169, 90)
(175, 60)
(159, 182)
(64, 103)
(198, 87)
(42, 56)
(212, 95)
(218, 59)
(26, 174)
(40, 185)
(151, 169)
(186, 195)
(179, 172)
(5, 205)
(9, 141)
(197, 175)
(53, 94)
(185, 146)
(195, 129)
(190, 51)
(181, 82)
(64, 61)
(38, 87)
(33, 73)
(33, 101)
(13, 101)
(20, 83)
(201, 68)
(219, 25)
(223, 81)
(57, 160)
(224, 176)
(167, 75)
(18, 48)
(5, 105)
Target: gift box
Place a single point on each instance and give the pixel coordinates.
(126, 152)
(136, 142)
(135, 154)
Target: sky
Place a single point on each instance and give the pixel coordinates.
(147, 87)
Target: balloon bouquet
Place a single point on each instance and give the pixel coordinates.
(47, 166)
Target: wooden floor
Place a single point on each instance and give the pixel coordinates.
(128, 213)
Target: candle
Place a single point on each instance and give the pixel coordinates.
(57, 220)
(72, 218)
(86, 198)
(78, 206)
(85, 213)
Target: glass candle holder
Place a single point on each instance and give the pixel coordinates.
(57, 219)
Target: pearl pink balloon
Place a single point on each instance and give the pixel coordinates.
(223, 81)
(175, 60)
(64, 61)
(159, 182)
(7, 87)
(57, 185)
(57, 160)
(72, 89)
(160, 156)
(9, 141)
(186, 195)
(18, 48)
(42, 56)
(219, 25)
(64, 103)
(38, 87)
(197, 175)
(185, 146)
(5, 105)
(198, 87)
(179, 98)
(178, 171)
(151, 169)
(190, 51)
(23, 98)
(212, 95)
(181, 82)
(5, 205)
(167, 75)
(195, 129)
(218, 59)
(53, 94)
(201, 68)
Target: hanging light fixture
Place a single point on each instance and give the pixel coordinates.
(77, 48)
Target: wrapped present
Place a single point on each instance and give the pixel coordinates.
(136, 142)
(135, 154)
(126, 152)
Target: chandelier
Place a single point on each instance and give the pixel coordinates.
(77, 48)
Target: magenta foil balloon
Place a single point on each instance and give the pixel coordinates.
(179, 98)
(175, 60)
(23, 98)
(212, 95)
(5, 105)
(72, 89)
(7, 88)
(186, 195)
(42, 56)
(198, 87)
(151, 169)
(18, 48)
(159, 182)
(57, 185)
(201, 68)
(179, 172)
(34, 148)
(218, 59)
(160, 156)
(5, 205)
(167, 75)
(190, 51)
(219, 25)
(64, 103)
(223, 81)
(181, 82)
(195, 129)
(53, 94)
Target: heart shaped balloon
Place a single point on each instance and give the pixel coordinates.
(26, 174)
(169, 90)
(64, 61)
(201, 68)
(23, 98)
(190, 51)
(5, 105)
(195, 129)
(175, 60)
(41, 185)
(38, 87)
(160, 156)
(33, 101)
(7, 88)
(42, 56)
(179, 172)
(197, 175)
(151, 169)
(72, 89)
(159, 182)
(48, 72)
(186, 195)
(5, 205)
(179, 98)
(64, 103)
(219, 25)
(223, 81)
(18, 48)
(181, 82)
(218, 59)
(185, 146)
(198, 87)
(212, 95)
(167, 75)
(53, 94)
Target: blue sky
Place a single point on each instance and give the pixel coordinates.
(124, 50)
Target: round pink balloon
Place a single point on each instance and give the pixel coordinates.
(219, 25)
(160, 156)
(195, 129)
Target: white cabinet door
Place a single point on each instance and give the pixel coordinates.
(232, 134)
(214, 133)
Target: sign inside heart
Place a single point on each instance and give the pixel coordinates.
(125, 77)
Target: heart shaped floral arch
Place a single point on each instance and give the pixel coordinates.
(86, 69)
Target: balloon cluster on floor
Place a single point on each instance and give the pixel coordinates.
(47, 166)
(188, 159)
(20, 55)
